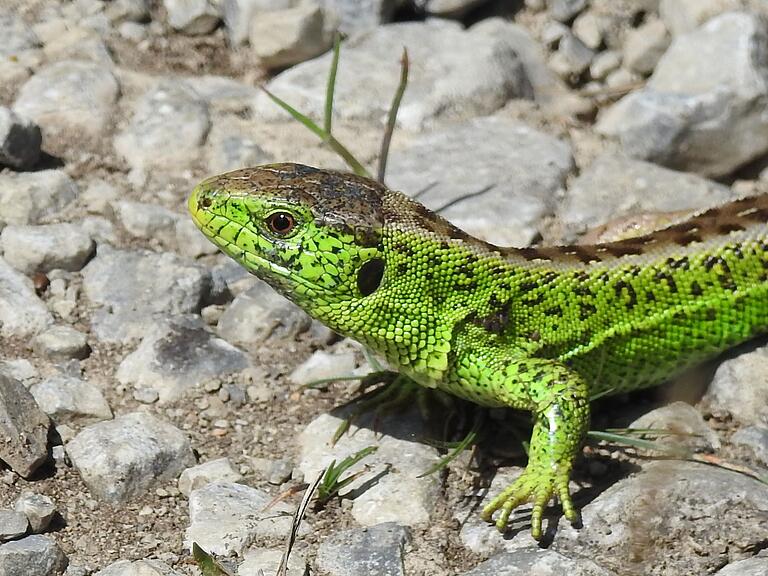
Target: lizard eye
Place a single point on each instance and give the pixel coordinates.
(281, 223)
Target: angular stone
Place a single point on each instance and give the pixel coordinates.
(238, 15)
(46, 247)
(451, 8)
(755, 438)
(565, 10)
(177, 355)
(375, 551)
(322, 365)
(683, 16)
(27, 198)
(150, 451)
(524, 169)
(644, 46)
(38, 509)
(70, 100)
(145, 220)
(23, 429)
(686, 424)
(462, 73)
(67, 399)
(138, 568)
(12, 525)
(229, 147)
(193, 17)
(130, 11)
(757, 566)
(260, 561)
(61, 343)
(22, 313)
(17, 36)
(32, 556)
(572, 57)
(529, 562)
(739, 388)
(219, 470)
(20, 140)
(190, 242)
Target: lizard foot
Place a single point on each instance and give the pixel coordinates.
(536, 485)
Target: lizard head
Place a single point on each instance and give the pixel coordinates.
(314, 235)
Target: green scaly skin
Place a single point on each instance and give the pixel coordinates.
(541, 329)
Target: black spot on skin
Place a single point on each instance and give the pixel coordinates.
(369, 276)
(402, 268)
(554, 311)
(621, 287)
(661, 275)
(696, 289)
(586, 309)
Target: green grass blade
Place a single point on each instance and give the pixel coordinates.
(462, 445)
(676, 451)
(331, 87)
(392, 116)
(298, 116)
(207, 564)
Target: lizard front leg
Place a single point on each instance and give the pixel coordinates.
(558, 398)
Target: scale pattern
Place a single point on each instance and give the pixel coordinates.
(541, 329)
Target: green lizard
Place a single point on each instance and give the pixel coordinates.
(540, 329)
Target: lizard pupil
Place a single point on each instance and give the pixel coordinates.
(281, 223)
(369, 276)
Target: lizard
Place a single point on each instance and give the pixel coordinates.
(541, 329)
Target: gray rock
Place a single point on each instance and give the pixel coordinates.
(190, 242)
(588, 28)
(121, 459)
(27, 198)
(683, 16)
(17, 36)
(145, 220)
(227, 98)
(261, 314)
(192, 17)
(46, 247)
(283, 38)
(127, 11)
(451, 8)
(32, 556)
(739, 388)
(38, 508)
(167, 129)
(12, 525)
(565, 10)
(133, 287)
(226, 518)
(375, 551)
(534, 562)
(323, 364)
(68, 399)
(20, 140)
(19, 369)
(398, 494)
(22, 313)
(70, 100)
(260, 561)
(138, 568)
(219, 470)
(177, 355)
(757, 566)
(614, 186)
(23, 428)
(572, 57)
(605, 63)
(526, 168)
(61, 343)
(238, 15)
(228, 147)
(461, 73)
(701, 111)
(685, 422)
(755, 438)
(644, 46)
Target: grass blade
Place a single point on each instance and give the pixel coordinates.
(392, 116)
(331, 87)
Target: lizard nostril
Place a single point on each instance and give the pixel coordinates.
(206, 202)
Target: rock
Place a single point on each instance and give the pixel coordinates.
(193, 17)
(701, 111)
(12, 525)
(32, 556)
(71, 101)
(167, 129)
(177, 355)
(399, 494)
(755, 438)
(757, 566)
(219, 470)
(375, 551)
(614, 186)
(19, 369)
(461, 73)
(739, 388)
(135, 287)
(22, 313)
(79, 44)
(17, 36)
(20, 140)
(259, 561)
(685, 422)
(29, 197)
(145, 220)
(238, 15)
(61, 343)
(565, 10)
(532, 562)
(261, 314)
(283, 38)
(353, 16)
(128, 11)
(190, 242)
(525, 169)
(229, 148)
(683, 16)
(138, 568)
(605, 63)
(23, 429)
(226, 518)
(645, 45)
(322, 365)
(588, 28)
(46, 247)
(69, 399)
(38, 509)
(572, 57)
(451, 8)
(150, 451)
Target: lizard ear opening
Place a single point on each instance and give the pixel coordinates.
(369, 276)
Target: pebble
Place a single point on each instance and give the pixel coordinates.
(190, 242)
(588, 28)
(322, 365)
(151, 452)
(20, 369)
(128, 11)
(32, 556)
(685, 422)
(228, 148)
(23, 427)
(193, 17)
(61, 343)
(146, 220)
(178, 354)
(146, 395)
(354, 16)
(218, 470)
(683, 16)
(529, 562)
(572, 57)
(70, 399)
(755, 438)
(149, 567)
(260, 561)
(375, 551)
(757, 566)
(38, 509)
(524, 168)
(565, 10)
(20, 140)
(645, 45)
(604, 63)
(22, 313)
(29, 197)
(12, 525)
(46, 247)
(17, 35)
(739, 388)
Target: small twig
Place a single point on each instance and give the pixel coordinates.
(464, 197)
(298, 516)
